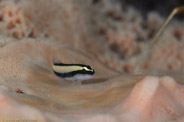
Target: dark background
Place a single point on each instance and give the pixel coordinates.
(164, 7)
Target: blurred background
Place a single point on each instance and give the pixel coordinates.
(115, 32)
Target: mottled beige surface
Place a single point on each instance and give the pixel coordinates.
(112, 40)
(27, 65)
(114, 35)
(30, 64)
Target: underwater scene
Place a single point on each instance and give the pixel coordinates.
(91, 61)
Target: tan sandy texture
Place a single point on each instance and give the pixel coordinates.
(12, 110)
(112, 99)
(34, 33)
(27, 66)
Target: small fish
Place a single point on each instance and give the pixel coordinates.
(76, 72)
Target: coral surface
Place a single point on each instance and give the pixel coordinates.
(112, 38)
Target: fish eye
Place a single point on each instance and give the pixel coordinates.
(87, 68)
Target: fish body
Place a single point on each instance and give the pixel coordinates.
(73, 71)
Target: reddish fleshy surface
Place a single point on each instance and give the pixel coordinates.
(152, 99)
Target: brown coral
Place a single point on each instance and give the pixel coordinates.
(13, 21)
(167, 55)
